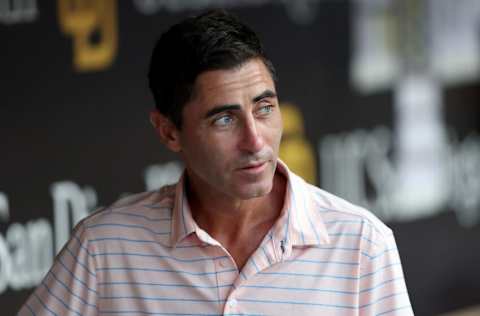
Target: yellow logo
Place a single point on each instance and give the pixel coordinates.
(295, 150)
(83, 20)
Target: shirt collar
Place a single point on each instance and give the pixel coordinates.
(300, 222)
(183, 223)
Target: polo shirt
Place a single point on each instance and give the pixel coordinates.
(145, 255)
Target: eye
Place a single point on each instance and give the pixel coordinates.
(265, 109)
(224, 120)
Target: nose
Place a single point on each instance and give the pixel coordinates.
(251, 138)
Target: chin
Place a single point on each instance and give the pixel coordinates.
(251, 191)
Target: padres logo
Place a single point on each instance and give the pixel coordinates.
(85, 19)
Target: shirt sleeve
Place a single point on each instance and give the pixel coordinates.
(382, 289)
(70, 286)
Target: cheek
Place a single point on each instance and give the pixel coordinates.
(209, 152)
(220, 149)
(274, 135)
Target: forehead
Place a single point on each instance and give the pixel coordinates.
(248, 79)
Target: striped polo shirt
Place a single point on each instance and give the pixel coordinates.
(145, 255)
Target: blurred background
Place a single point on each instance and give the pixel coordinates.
(381, 103)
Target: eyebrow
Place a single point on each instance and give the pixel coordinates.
(230, 107)
(265, 94)
(222, 108)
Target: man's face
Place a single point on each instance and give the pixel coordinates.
(231, 131)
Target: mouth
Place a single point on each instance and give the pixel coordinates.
(253, 168)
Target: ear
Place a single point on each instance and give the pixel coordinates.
(166, 131)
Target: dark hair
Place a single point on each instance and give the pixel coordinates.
(213, 40)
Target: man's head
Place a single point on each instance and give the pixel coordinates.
(213, 40)
(217, 106)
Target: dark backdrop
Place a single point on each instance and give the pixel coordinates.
(90, 127)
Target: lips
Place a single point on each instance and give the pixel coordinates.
(253, 168)
(254, 165)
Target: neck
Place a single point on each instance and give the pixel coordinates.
(228, 219)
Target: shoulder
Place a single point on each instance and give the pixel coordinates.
(335, 208)
(139, 208)
(340, 209)
(341, 216)
(352, 226)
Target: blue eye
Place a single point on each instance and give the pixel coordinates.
(266, 109)
(223, 121)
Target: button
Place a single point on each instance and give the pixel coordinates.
(223, 262)
(232, 303)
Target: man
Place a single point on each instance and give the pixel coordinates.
(239, 234)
